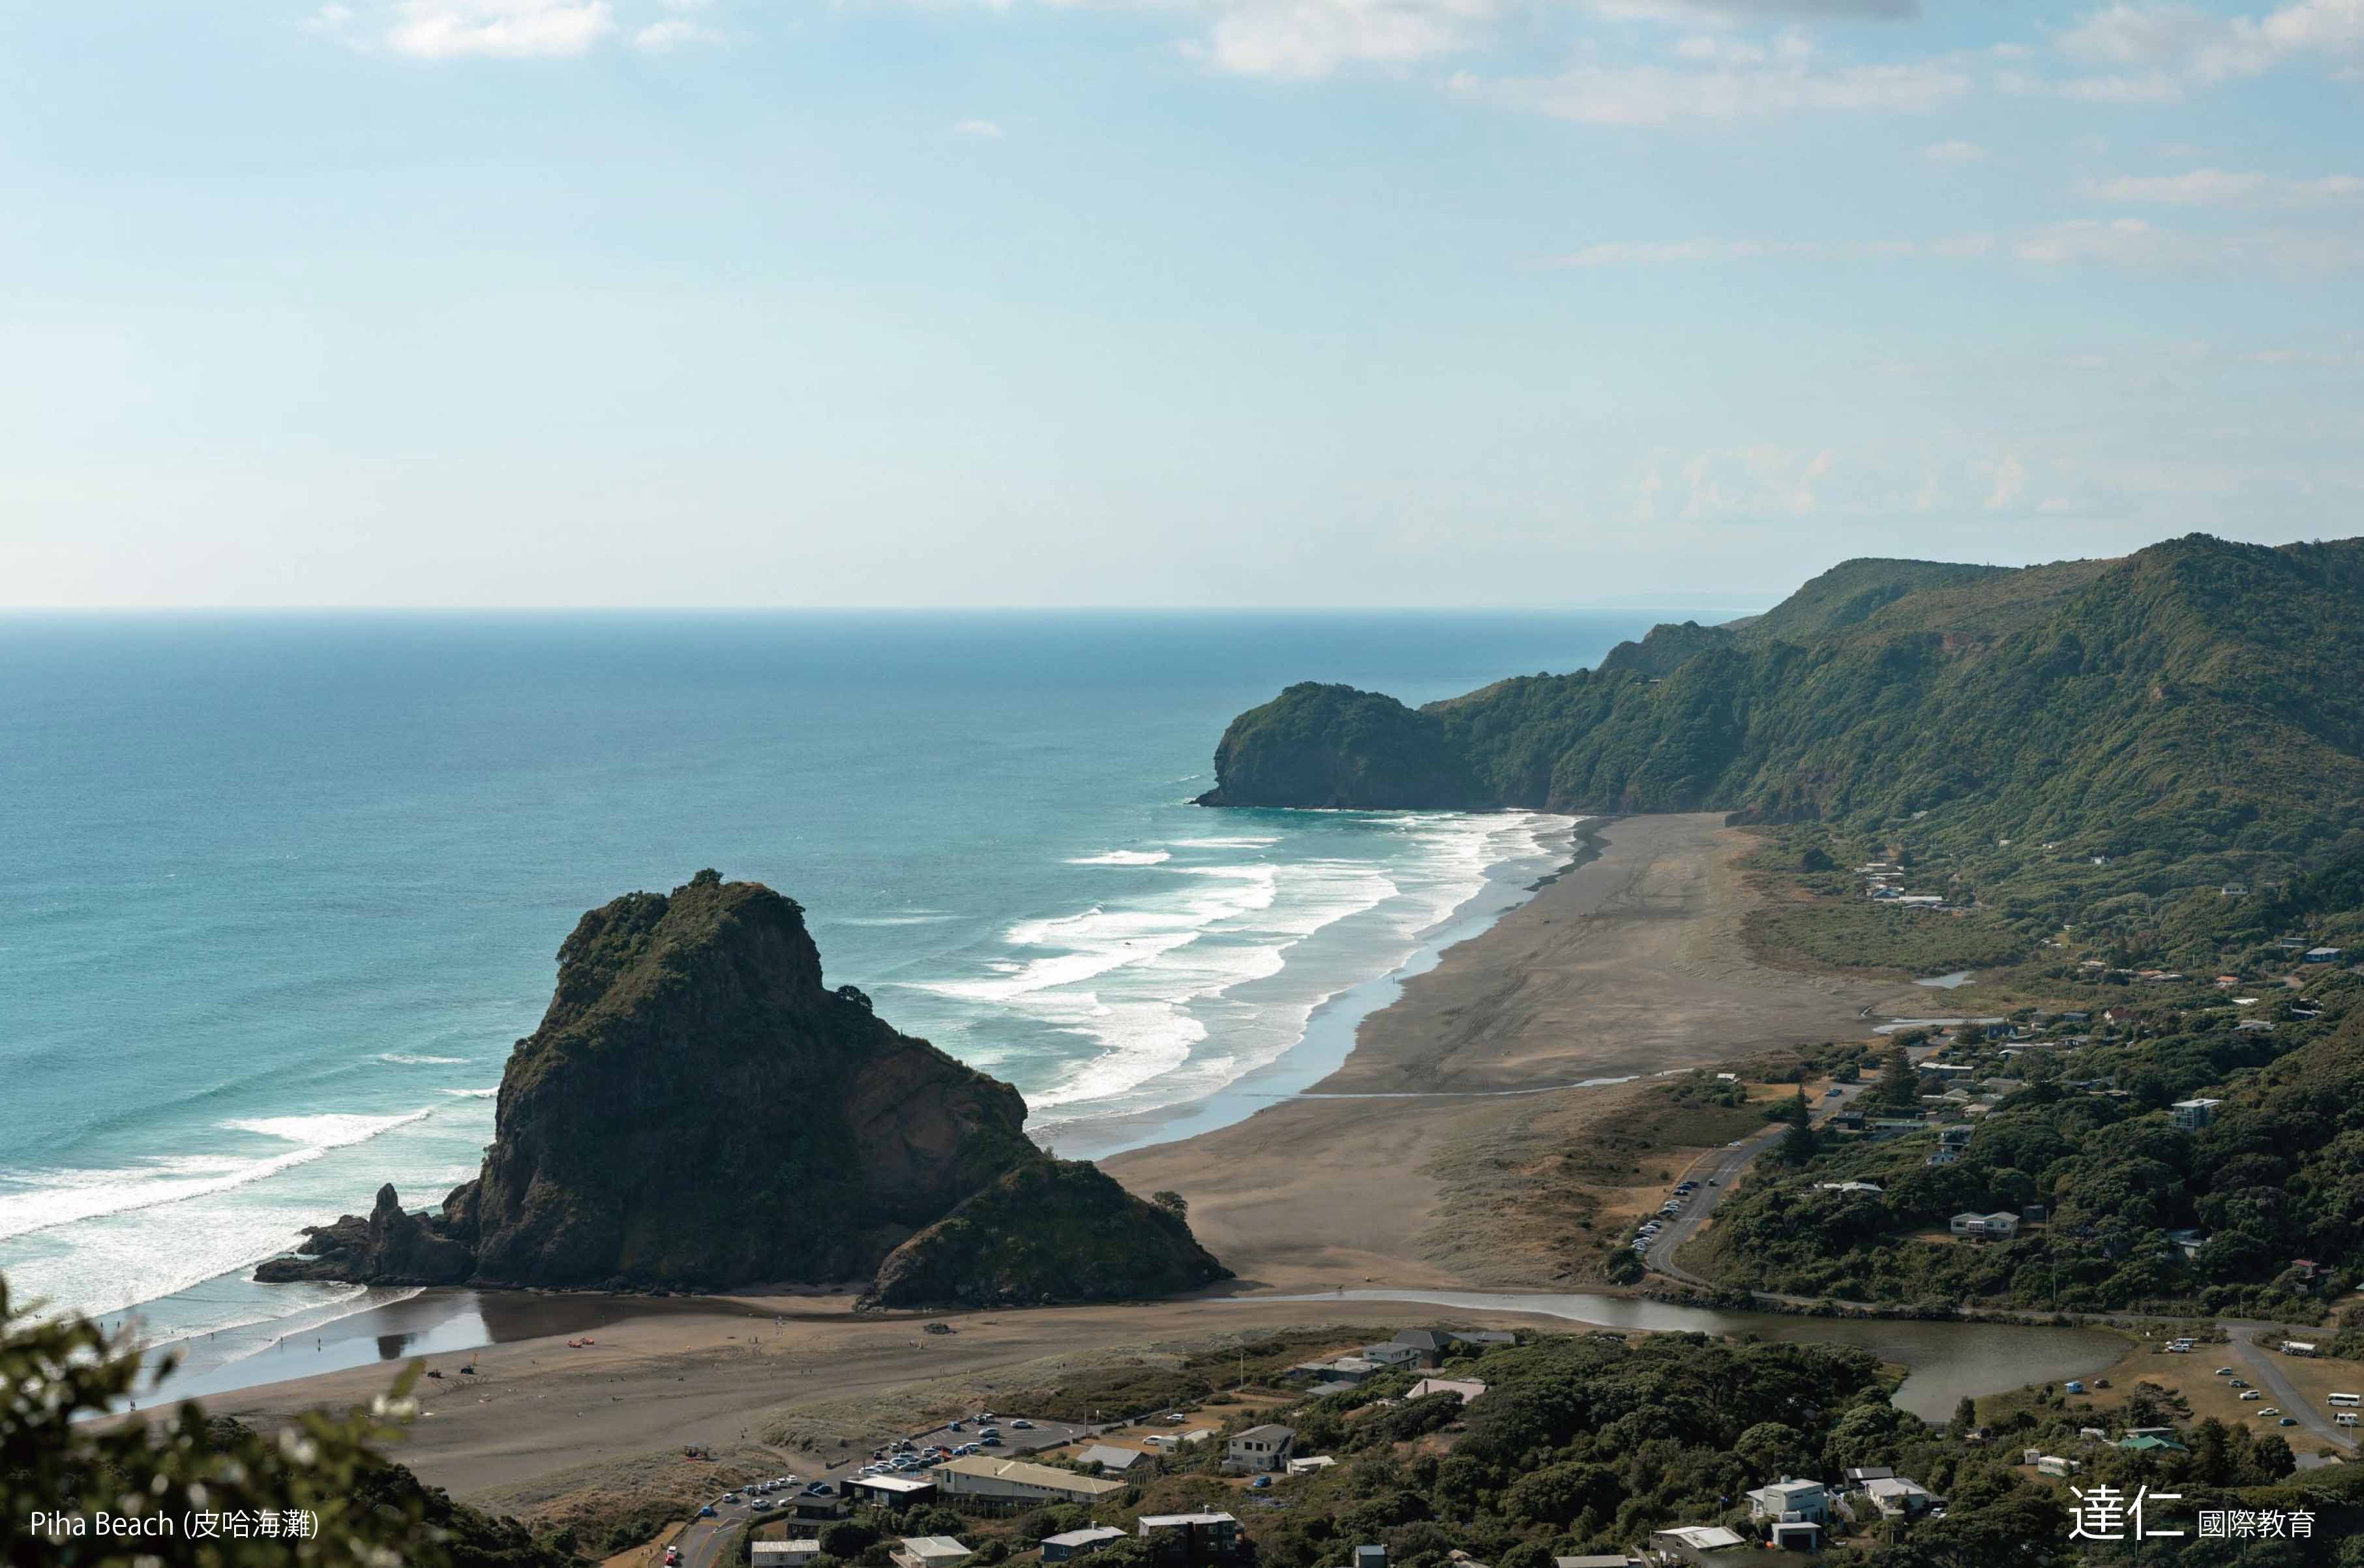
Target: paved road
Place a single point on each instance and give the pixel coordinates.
(1716, 1171)
(2268, 1377)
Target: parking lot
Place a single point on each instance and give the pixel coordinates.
(700, 1543)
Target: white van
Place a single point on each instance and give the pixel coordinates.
(2346, 1401)
(2345, 1419)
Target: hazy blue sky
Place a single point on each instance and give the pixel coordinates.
(582, 302)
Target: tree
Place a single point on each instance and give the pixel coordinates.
(1898, 1085)
(365, 1511)
(1800, 1144)
(1816, 859)
(1965, 1417)
(846, 1538)
(1172, 1203)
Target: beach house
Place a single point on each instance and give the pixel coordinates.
(1113, 1461)
(1189, 1538)
(929, 1552)
(1076, 1542)
(1429, 1344)
(1996, 1227)
(783, 1553)
(1696, 1543)
(1010, 1485)
(1899, 1497)
(1790, 1500)
(1258, 1449)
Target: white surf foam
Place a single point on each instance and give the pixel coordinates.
(57, 1197)
(403, 1059)
(1169, 1027)
(1124, 858)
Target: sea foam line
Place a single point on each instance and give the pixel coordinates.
(63, 1196)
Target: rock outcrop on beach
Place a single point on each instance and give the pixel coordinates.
(389, 1246)
(1049, 1231)
(699, 1111)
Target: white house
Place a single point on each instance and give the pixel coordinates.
(783, 1553)
(1787, 1499)
(1897, 1498)
(1998, 1224)
(2193, 1115)
(930, 1551)
(1469, 1388)
(1259, 1449)
(1695, 1543)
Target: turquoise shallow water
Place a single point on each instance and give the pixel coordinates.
(277, 894)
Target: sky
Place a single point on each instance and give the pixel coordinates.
(679, 303)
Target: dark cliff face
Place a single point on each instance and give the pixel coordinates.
(698, 1110)
(1335, 746)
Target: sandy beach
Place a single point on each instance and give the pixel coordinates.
(1627, 966)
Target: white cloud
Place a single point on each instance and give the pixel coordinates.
(445, 29)
(511, 29)
(2010, 484)
(983, 130)
(2219, 187)
(2123, 242)
(2131, 242)
(1653, 94)
(2152, 53)
(681, 28)
(1655, 253)
(1316, 38)
(1953, 154)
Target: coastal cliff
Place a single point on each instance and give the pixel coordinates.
(1336, 747)
(2170, 699)
(698, 1110)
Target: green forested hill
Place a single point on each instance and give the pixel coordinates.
(2197, 695)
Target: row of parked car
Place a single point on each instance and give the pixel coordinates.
(1648, 1230)
(907, 1455)
(757, 1494)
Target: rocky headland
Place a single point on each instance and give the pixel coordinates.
(699, 1111)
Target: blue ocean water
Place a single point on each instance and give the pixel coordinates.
(278, 893)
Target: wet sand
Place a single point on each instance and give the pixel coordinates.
(1626, 966)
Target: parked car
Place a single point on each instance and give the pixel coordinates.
(821, 1489)
(2239, 1383)
(2287, 1421)
(1261, 1484)
(2253, 1394)
(1023, 1426)
(2223, 1371)
(706, 1512)
(990, 1442)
